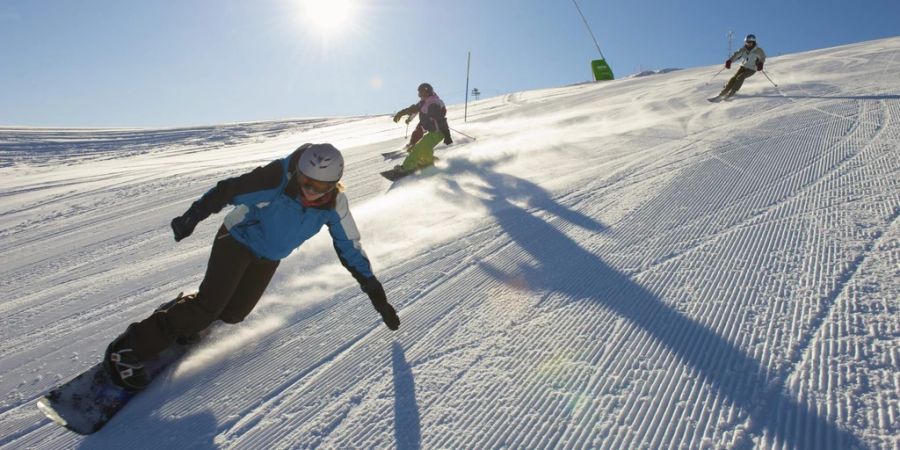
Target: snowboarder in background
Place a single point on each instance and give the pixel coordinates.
(754, 57)
(277, 208)
(433, 121)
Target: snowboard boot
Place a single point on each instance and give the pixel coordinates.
(169, 304)
(124, 367)
(191, 339)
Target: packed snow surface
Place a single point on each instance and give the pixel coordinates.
(607, 265)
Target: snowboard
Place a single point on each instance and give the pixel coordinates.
(396, 154)
(394, 174)
(87, 402)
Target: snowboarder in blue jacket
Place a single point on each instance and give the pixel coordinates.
(276, 208)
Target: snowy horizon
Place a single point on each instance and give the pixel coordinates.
(608, 265)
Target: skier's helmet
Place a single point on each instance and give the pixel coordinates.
(322, 162)
(750, 39)
(426, 89)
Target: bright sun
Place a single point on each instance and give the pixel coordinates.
(329, 17)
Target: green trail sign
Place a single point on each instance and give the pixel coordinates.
(601, 70)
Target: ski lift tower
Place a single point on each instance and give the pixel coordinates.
(599, 67)
(730, 38)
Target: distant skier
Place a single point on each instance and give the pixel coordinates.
(277, 208)
(433, 121)
(754, 57)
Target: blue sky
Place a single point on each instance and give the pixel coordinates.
(172, 63)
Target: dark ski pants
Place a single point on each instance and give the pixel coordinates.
(235, 280)
(735, 83)
(416, 135)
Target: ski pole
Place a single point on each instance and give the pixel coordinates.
(717, 74)
(464, 134)
(770, 80)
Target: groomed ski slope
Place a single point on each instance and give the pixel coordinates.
(611, 265)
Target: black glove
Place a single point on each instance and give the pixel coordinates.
(372, 287)
(728, 64)
(183, 225)
(398, 116)
(759, 65)
(447, 140)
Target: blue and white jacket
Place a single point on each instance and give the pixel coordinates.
(272, 222)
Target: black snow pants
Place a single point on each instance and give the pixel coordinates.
(735, 83)
(235, 280)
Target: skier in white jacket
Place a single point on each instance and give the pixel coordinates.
(754, 57)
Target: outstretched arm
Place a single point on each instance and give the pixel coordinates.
(741, 53)
(758, 57)
(406, 111)
(223, 193)
(346, 237)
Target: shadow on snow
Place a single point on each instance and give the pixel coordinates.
(739, 378)
(407, 423)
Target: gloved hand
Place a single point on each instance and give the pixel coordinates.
(727, 65)
(398, 116)
(410, 118)
(372, 287)
(759, 65)
(448, 140)
(183, 225)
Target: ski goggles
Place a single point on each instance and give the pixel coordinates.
(320, 187)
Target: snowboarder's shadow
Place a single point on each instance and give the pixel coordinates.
(563, 267)
(407, 422)
(504, 189)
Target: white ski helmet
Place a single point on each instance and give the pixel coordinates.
(750, 38)
(321, 162)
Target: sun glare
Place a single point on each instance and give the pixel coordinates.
(329, 17)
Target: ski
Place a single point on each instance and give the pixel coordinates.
(396, 154)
